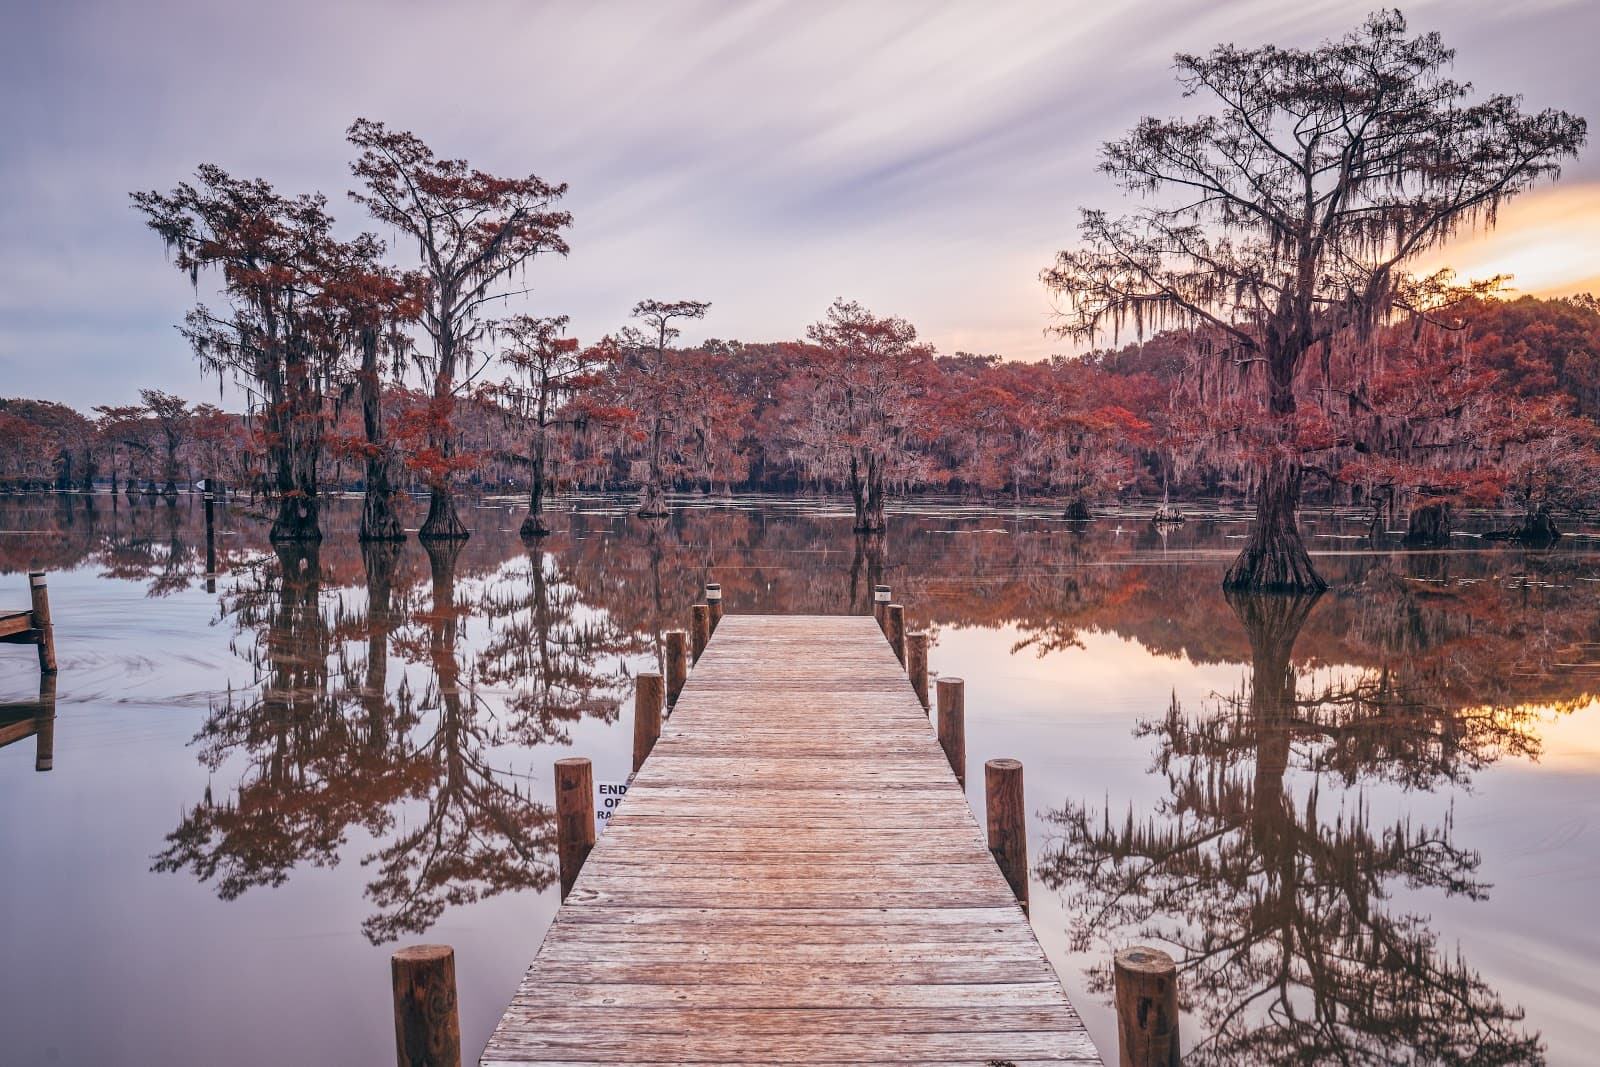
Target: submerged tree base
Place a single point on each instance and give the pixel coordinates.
(533, 527)
(653, 502)
(1429, 526)
(296, 522)
(379, 521)
(443, 524)
(1274, 561)
(1078, 511)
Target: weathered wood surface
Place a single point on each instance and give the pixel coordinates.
(794, 878)
(17, 622)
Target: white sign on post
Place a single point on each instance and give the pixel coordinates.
(607, 796)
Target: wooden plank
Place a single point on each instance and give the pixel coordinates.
(15, 622)
(793, 878)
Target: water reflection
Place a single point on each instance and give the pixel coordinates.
(22, 719)
(377, 716)
(1273, 889)
(396, 695)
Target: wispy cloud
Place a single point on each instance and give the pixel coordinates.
(924, 158)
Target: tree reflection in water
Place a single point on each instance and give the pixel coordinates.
(330, 742)
(1275, 906)
(394, 695)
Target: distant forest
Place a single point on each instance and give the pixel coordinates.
(1499, 410)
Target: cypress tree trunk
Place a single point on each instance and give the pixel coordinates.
(1274, 558)
(1429, 525)
(296, 521)
(1539, 529)
(653, 497)
(296, 422)
(533, 525)
(380, 519)
(1078, 510)
(867, 496)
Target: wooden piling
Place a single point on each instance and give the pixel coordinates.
(1008, 823)
(952, 694)
(714, 602)
(895, 630)
(1146, 983)
(211, 533)
(649, 696)
(574, 817)
(677, 664)
(917, 664)
(880, 606)
(41, 622)
(427, 1025)
(699, 630)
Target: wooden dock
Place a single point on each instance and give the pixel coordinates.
(32, 626)
(794, 878)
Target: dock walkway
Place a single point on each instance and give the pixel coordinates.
(794, 878)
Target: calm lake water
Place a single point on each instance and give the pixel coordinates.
(1367, 825)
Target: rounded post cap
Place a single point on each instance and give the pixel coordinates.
(950, 679)
(1142, 959)
(573, 761)
(424, 953)
(1004, 763)
(642, 675)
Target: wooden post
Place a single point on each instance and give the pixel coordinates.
(1146, 982)
(953, 725)
(574, 817)
(1008, 823)
(41, 622)
(699, 630)
(714, 602)
(44, 729)
(427, 1026)
(677, 664)
(211, 533)
(896, 631)
(917, 664)
(649, 694)
(880, 606)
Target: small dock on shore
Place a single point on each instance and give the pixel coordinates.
(794, 877)
(31, 626)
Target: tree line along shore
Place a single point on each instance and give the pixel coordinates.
(1288, 345)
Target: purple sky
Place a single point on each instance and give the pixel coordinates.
(924, 159)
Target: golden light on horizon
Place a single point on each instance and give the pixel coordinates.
(1546, 239)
